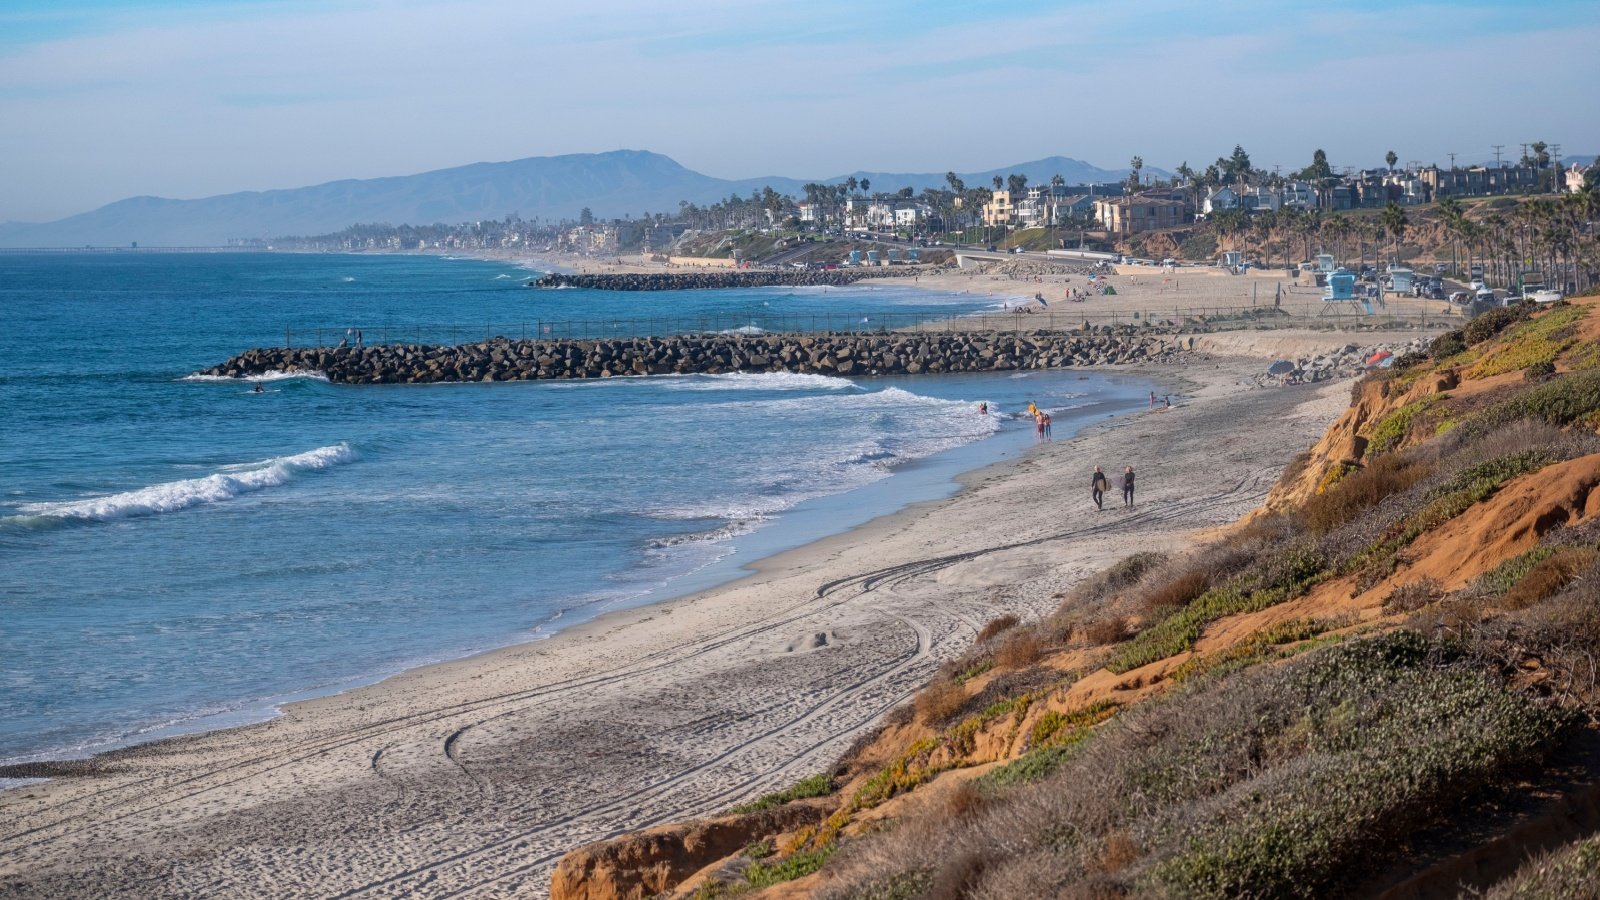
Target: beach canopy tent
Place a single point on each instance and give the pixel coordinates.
(1280, 367)
(1378, 357)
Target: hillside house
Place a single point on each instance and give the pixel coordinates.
(1219, 199)
(1138, 213)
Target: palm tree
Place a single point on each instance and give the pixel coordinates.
(1391, 159)
(1452, 215)
(1394, 222)
(1135, 164)
(866, 186)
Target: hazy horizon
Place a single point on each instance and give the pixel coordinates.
(194, 98)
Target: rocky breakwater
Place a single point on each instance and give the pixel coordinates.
(823, 354)
(720, 278)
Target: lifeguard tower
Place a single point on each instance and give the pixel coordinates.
(1342, 289)
(1401, 279)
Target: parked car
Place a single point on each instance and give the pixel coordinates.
(1461, 298)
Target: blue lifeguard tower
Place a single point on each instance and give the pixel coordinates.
(1342, 289)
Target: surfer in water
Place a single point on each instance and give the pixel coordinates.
(257, 389)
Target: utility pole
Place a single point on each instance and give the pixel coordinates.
(1497, 149)
(1555, 172)
(1524, 154)
(1452, 161)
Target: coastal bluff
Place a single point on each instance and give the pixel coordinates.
(718, 278)
(840, 354)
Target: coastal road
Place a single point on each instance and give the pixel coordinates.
(470, 779)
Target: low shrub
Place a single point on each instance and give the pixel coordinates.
(1113, 630)
(1393, 428)
(1492, 323)
(1538, 341)
(819, 785)
(1549, 576)
(1129, 570)
(1542, 370)
(995, 626)
(762, 875)
(1279, 781)
(1395, 736)
(1022, 648)
(940, 701)
(1367, 487)
(1447, 345)
(1412, 596)
(1560, 401)
(1176, 591)
(1571, 871)
(1409, 359)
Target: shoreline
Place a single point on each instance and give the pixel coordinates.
(926, 474)
(479, 773)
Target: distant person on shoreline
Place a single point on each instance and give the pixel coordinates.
(1127, 488)
(1097, 487)
(1044, 422)
(1152, 399)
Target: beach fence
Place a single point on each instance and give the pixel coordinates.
(1195, 318)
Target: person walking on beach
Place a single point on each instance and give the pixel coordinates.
(1097, 486)
(1152, 399)
(1127, 487)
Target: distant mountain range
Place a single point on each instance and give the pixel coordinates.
(619, 183)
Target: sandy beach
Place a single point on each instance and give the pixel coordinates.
(471, 778)
(1148, 291)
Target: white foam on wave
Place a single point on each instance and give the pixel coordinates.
(762, 381)
(310, 375)
(225, 484)
(743, 329)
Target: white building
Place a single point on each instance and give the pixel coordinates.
(1219, 199)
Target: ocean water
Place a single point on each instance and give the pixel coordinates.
(182, 553)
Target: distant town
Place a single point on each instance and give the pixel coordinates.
(1507, 214)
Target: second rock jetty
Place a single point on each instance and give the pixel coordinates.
(719, 278)
(823, 354)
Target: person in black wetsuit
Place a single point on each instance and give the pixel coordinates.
(1127, 487)
(1098, 485)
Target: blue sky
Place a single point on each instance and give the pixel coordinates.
(184, 98)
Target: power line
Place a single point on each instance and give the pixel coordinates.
(1497, 149)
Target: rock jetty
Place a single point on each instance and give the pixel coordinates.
(721, 278)
(823, 354)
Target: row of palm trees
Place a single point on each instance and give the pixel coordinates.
(1555, 236)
